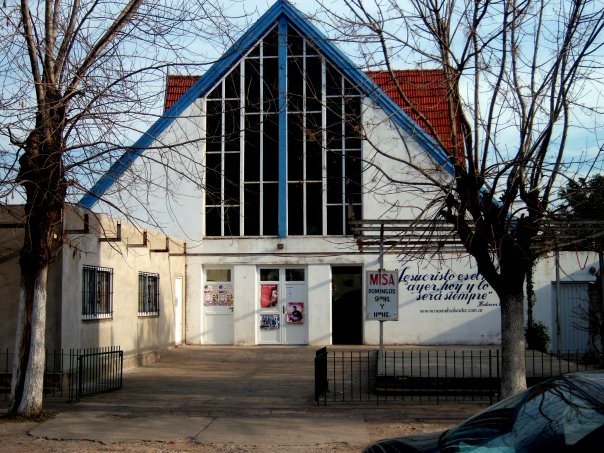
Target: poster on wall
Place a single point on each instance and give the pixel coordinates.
(218, 295)
(269, 296)
(295, 312)
(269, 322)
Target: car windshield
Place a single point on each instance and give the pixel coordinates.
(550, 417)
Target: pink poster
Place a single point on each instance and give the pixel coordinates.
(269, 296)
(218, 294)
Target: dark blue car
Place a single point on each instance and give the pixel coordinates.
(564, 414)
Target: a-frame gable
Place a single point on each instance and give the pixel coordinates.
(282, 11)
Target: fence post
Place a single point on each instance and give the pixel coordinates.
(321, 385)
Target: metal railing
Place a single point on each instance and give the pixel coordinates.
(94, 371)
(53, 366)
(427, 375)
(90, 371)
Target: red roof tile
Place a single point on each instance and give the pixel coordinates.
(426, 89)
(176, 85)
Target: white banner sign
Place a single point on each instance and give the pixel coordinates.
(382, 295)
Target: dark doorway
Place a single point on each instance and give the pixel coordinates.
(347, 304)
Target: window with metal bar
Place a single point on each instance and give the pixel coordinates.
(97, 292)
(148, 294)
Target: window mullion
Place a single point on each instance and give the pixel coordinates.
(96, 293)
(222, 157)
(282, 112)
(110, 295)
(241, 148)
(261, 139)
(304, 179)
(343, 152)
(324, 142)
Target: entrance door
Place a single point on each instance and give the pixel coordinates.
(347, 304)
(218, 304)
(282, 306)
(177, 311)
(574, 306)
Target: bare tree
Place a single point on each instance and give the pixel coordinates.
(521, 76)
(79, 77)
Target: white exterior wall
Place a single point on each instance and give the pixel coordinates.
(140, 337)
(395, 183)
(425, 321)
(193, 306)
(245, 285)
(319, 304)
(443, 300)
(162, 188)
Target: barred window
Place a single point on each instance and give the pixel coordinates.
(148, 294)
(97, 292)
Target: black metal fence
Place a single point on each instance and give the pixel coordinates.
(426, 375)
(90, 371)
(53, 371)
(95, 371)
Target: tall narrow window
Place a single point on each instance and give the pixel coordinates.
(97, 292)
(222, 158)
(148, 294)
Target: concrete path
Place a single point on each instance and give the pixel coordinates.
(253, 396)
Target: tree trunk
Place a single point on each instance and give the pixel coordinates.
(27, 385)
(41, 174)
(513, 369)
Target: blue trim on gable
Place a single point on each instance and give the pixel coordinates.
(282, 53)
(221, 67)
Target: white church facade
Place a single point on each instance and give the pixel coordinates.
(258, 168)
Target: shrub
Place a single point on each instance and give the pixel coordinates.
(537, 336)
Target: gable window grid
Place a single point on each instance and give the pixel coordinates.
(259, 163)
(97, 292)
(344, 158)
(323, 176)
(304, 185)
(148, 294)
(223, 125)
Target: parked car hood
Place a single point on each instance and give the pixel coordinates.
(420, 443)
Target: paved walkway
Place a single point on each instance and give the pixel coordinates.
(252, 396)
